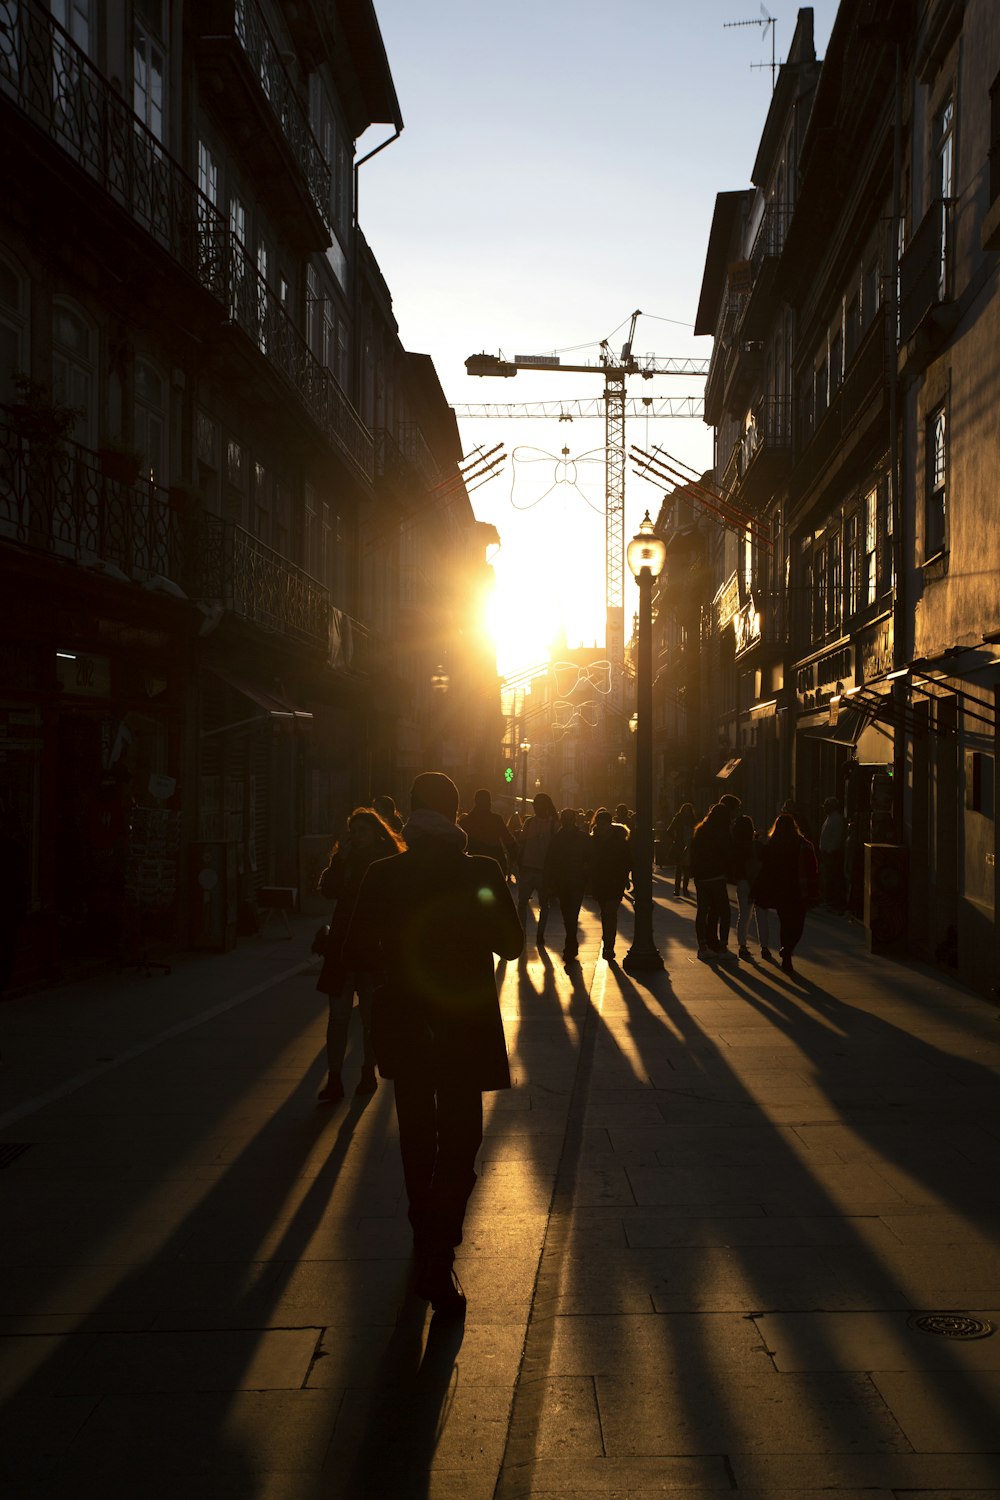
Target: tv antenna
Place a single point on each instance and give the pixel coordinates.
(764, 20)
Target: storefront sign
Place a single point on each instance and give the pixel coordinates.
(82, 675)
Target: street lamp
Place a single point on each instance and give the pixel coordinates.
(646, 555)
(622, 763)
(525, 747)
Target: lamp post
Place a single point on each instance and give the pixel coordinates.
(525, 747)
(622, 763)
(646, 556)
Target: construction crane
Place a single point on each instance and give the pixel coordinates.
(572, 411)
(614, 370)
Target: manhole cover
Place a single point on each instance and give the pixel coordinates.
(952, 1325)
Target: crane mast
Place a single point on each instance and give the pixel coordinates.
(615, 371)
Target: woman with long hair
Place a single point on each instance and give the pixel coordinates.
(366, 839)
(788, 877)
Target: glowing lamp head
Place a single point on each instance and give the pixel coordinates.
(646, 551)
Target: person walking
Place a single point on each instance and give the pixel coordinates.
(532, 853)
(566, 877)
(711, 858)
(678, 839)
(831, 855)
(435, 917)
(789, 878)
(747, 866)
(367, 838)
(487, 832)
(387, 810)
(610, 869)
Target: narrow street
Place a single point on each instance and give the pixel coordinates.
(708, 1214)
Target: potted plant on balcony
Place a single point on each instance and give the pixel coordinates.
(118, 461)
(38, 420)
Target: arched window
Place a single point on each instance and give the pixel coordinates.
(74, 366)
(13, 327)
(149, 421)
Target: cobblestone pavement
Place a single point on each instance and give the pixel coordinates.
(710, 1214)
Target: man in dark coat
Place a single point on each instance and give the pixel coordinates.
(566, 874)
(435, 916)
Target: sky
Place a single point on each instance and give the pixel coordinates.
(557, 170)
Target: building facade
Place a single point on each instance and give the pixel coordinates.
(852, 295)
(220, 472)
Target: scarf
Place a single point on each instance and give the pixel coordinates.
(424, 824)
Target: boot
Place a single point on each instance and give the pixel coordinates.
(368, 1082)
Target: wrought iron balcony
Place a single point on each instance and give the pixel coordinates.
(263, 317)
(60, 91)
(230, 566)
(925, 268)
(56, 499)
(763, 622)
(234, 39)
(762, 455)
(863, 388)
(769, 241)
(57, 88)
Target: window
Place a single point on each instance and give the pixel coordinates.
(834, 597)
(234, 501)
(13, 327)
(261, 512)
(822, 390)
(870, 565)
(852, 597)
(836, 359)
(820, 595)
(74, 17)
(944, 156)
(149, 66)
(74, 367)
(314, 314)
(937, 482)
(149, 420)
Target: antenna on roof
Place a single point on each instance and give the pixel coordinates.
(764, 20)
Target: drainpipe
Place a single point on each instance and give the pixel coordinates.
(900, 623)
(356, 268)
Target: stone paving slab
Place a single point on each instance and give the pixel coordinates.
(871, 1341)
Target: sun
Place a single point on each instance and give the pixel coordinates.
(539, 602)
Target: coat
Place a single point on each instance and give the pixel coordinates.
(568, 861)
(339, 882)
(610, 863)
(711, 852)
(487, 834)
(788, 874)
(435, 916)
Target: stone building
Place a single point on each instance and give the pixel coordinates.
(225, 486)
(852, 295)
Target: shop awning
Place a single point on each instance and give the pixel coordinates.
(273, 706)
(843, 728)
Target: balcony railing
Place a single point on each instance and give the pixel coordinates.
(863, 383)
(769, 240)
(263, 317)
(762, 621)
(242, 22)
(251, 30)
(762, 454)
(259, 585)
(57, 500)
(925, 267)
(62, 93)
